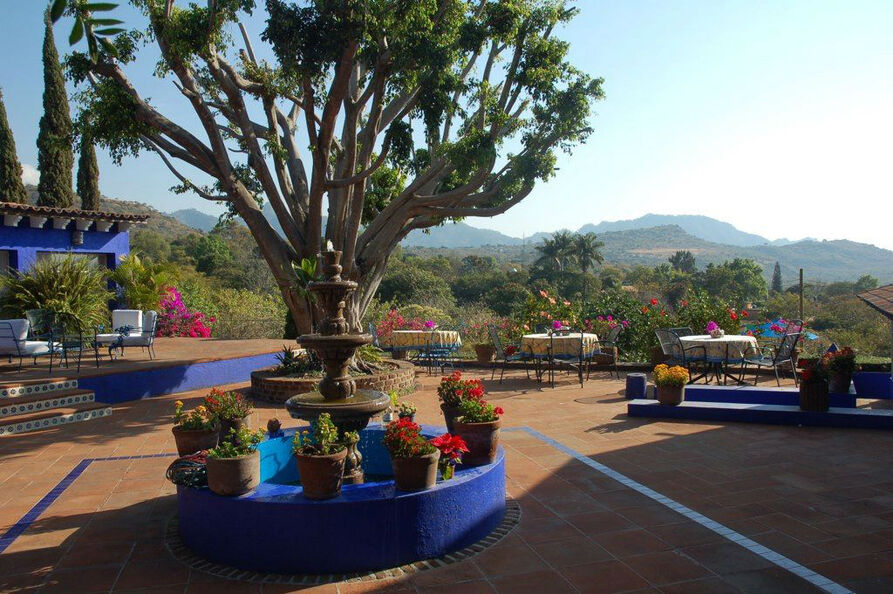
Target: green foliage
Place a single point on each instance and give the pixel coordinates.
(85, 25)
(68, 285)
(239, 442)
(11, 187)
(776, 279)
(322, 439)
(683, 261)
(55, 157)
(142, 281)
(699, 308)
(474, 410)
(88, 176)
(506, 299)
(404, 283)
(738, 281)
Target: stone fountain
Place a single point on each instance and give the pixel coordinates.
(350, 408)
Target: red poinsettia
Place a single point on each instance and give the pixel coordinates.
(450, 446)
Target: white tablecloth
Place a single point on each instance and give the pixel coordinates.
(738, 345)
(539, 344)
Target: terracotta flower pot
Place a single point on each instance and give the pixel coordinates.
(321, 476)
(482, 440)
(840, 383)
(671, 395)
(410, 417)
(227, 424)
(189, 441)
(415, 474)
(814, 396)
(484, 352)
(449, 416)
(234, 476)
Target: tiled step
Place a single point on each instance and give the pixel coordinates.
(27, 388)
(53, 418)
(33, 403)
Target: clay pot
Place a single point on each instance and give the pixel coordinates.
(234, 476)
(227, 424)
(415, 474)
(840, 383)
(814, 396)
(671, 395)
(321, 476)
(482, 440)
(449, 416)
(484, 352)
(410, 417)
(189, 441)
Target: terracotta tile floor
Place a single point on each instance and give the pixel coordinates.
(821, 497)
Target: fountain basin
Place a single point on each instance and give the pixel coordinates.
(368, 527)
(349, 414)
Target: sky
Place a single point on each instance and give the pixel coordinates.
(776, 116)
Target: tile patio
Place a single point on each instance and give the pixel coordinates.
(817, 499)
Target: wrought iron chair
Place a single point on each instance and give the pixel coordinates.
(614, 352)
(774, 358)
(501, 355)
(44, 327)
(437, 353)
(16, 342)
(678, 354)
(571, 361)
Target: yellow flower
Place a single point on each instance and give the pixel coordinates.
(178, 404)
(201, 409)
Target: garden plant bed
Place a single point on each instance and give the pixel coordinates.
(266, 385)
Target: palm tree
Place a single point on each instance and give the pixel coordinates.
(552, 252)
(586, 252)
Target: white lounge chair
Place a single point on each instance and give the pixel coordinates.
(142, 331)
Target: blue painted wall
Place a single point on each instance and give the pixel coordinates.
(24, 243)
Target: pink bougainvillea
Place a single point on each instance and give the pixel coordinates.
(175, 318)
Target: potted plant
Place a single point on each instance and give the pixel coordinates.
(320, 455)
(478, 425)
(814, 388)
(840, 365)
(451, 391)
(194, 430)
(413, 458)
(234, 465)
(451, 449)
(406, 410)
(231, 409)
(714, 330)
(670, 383)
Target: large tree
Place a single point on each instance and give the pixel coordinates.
(88, 176)
(776, 279)
(55, 157)
(411, 114)
(11, 187)
(683, 261)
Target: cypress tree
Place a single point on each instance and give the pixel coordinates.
(55, 157)
(88, 176)
(776, 279)
(11, 187)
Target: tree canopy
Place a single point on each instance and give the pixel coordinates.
(55, 156)
(414, 113)
(11, 186)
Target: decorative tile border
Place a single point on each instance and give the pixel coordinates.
(29, 389)
(10, 407)
(754, 547)
(180, 552)
(25, 426)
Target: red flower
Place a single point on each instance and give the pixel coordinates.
(644, 310)
(684, 303)
(663, 313)
(733, 315)
(498, 410)
(744, 314)
(452, 446)
(653, 301)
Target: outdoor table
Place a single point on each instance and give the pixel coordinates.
(411, 340)
(563, 345)
(720, 350)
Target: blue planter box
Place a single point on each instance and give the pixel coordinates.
(873, 384)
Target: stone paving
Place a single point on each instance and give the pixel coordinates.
(820, 498)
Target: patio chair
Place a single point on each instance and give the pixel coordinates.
(614, 352)
(75, 340)
(501, 356)
(571, 361)
(678, 354)
(15, 342)
(136, 334)
(774, 358)
(437, 354)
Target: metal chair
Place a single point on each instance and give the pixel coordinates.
(783, 354)
(614, 353)
(678, 354)
(501, 356)
(438, 354)
(570, 361)
(17, 340)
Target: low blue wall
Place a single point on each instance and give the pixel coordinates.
(759, 395)
(873, 384)
(368, 527)
(133, 385)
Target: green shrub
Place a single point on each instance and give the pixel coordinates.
(142, 281)
(244, 314)
(70, 285)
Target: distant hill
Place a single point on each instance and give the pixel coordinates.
(195, 219)
(165, 225)
(698, 225)
(452, 235)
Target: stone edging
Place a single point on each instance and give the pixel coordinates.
(271, 388)
(182, 554)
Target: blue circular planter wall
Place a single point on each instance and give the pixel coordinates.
(368, 527)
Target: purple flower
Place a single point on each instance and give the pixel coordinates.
(711, 327)
(556, 325)
(429, 324)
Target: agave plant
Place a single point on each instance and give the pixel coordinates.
(72, 286)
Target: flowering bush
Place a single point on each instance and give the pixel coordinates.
(229, 406)
(394, 321)
(842, 362)
(542, 309)
(479, 411)
(675, 377)
(610, 308)
(403, 439)
(175, 319)
(322, 439)
(453, 389)
(198, 418)
(477, 330)
(451, 449)
(698, 308)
